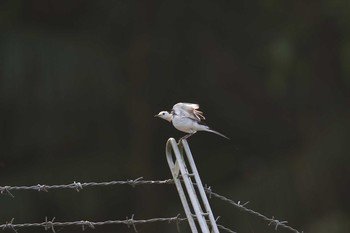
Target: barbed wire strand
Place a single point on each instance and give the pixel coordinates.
(272, 220)
(84, 224)
(139, 181)
(79, 186)
(51, 224)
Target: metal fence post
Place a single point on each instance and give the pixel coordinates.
(180, 171)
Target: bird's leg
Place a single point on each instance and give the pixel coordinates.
(186, 136)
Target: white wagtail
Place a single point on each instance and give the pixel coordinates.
(187, 118)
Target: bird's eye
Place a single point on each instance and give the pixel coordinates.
(163, 113)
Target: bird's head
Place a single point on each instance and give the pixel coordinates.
(165, 115)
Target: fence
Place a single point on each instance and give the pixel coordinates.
(130, 222)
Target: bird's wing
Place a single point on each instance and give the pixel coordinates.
(188, 110)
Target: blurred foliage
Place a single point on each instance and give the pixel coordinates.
(80, 82)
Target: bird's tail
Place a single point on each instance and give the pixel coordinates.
(216, 132)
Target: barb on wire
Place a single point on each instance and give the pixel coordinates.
(51, 224)
(42, 188)
(79, 186)
(85, 224)
(242, 205)
(276, 222)
(131, 222)
(5, 190)
(134, 182)
(9, 225)
(177, 222)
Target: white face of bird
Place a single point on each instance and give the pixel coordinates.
(164, 115)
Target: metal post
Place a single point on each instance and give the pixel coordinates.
(178, 168)
(200, 186)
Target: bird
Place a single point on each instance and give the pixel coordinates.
(187, 117)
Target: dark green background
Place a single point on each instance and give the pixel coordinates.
(80, 82)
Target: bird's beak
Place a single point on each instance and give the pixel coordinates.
(156, 115)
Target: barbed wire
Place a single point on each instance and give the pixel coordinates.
(139, 181)
(79, 186)
(52, 224)
(272, 220)
(84, 224)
